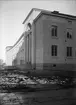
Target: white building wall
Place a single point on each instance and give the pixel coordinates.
(16, 52)
(9, 58)
(44, 39)
(30, 19)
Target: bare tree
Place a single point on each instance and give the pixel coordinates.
(2, 64)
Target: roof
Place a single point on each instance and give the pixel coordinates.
(32, 11)
(27, 16)
(55, 13)
(8, 46)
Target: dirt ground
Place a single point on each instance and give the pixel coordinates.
(49, 97)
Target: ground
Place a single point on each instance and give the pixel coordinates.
(51, 97)
(18, 89)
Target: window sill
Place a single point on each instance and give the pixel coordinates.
(69, 39)
(55, 57)
(54, 37)
(69, 57)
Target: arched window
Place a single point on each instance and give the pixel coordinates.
(29, 25)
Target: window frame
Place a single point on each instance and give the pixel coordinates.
(69, 51)
(54, 50)
(69, 32)
(54, 31)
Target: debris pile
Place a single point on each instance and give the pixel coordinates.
(20, 81)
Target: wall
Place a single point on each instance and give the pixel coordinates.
(17, 52)
(74, 43)
(30, 19)
(62, 25)
(9, 57)
(39, 44)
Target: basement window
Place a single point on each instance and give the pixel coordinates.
(54, 65)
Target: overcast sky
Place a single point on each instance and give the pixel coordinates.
(13, 13)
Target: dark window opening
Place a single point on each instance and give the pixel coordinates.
(69, 51)
(69, 33)
(54, 31)
(54, 50)
(54, 65)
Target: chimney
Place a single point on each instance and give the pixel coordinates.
(56, 12)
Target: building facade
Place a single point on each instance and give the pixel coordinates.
(16, 54)
(48, 41)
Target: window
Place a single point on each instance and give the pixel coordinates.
(54, 31)
(69, 33)
(54, 50)
(54, 65)
(69, 51)
(70, 22)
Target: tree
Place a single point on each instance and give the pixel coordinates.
(2, 64)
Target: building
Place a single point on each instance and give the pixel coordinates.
(48, 42)
(8, 59)
(15, 53)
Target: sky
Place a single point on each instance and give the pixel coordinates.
(13, 13)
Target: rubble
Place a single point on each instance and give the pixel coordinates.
(17, 80)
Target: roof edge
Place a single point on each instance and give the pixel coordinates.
(71, 17)
(27, 16)
(42, 10)
(31, 12)
(16, 41)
